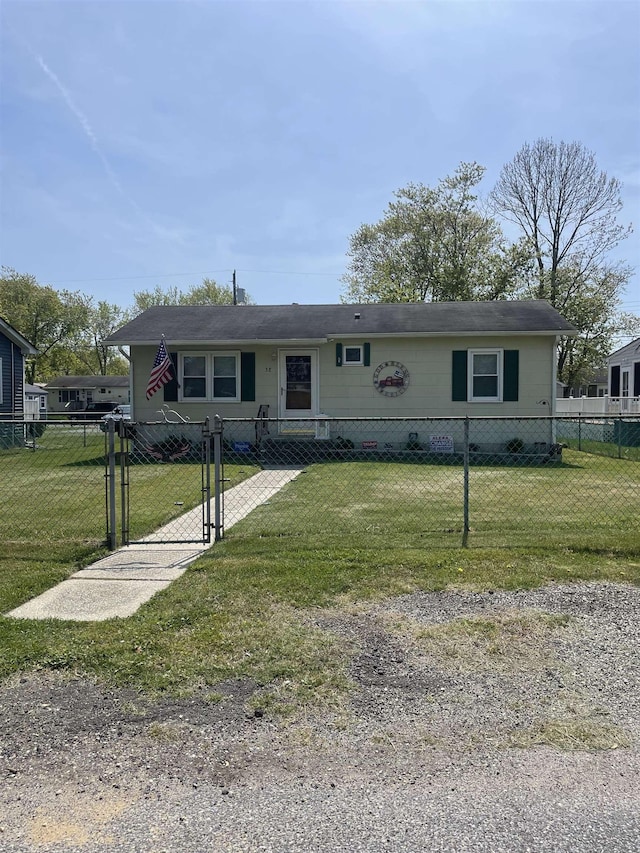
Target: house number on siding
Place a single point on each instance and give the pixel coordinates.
(391, 378)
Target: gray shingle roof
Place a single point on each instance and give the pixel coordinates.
(235, 323)
(89, 382)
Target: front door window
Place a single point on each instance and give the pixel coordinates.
(298, 382)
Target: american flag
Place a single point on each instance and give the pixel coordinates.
(161, 372)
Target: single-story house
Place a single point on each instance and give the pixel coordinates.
(595, 385)
(14, 349)
(75, 393)
(301, 363)
(624, 371)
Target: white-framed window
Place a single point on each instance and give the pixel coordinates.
(353, 355)
(208, 377)
(485, 375)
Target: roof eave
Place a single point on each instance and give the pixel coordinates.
(16, 338)
(343, 336)
(226, 342)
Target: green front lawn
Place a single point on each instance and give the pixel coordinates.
(338, 534)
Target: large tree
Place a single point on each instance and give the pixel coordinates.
(433, 244)
(566, 209)
(103, 319)
(207, 293)
(48, 318)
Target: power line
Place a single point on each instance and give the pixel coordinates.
(180, 274)
(135, 277)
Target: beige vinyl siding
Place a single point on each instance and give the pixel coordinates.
(349, 391)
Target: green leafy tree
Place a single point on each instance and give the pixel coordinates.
(207, 293)
(48, 318)
(103, 319)
(434, 244)
(566, 210)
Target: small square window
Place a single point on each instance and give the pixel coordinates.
(353, 355)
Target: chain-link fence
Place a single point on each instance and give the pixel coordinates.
(52, 484)
(483, 481)
(618, 437)
(92, 484)
(163, 482)
(562, 482)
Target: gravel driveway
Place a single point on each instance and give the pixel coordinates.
(506, 721)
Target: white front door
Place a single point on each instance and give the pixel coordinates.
(298, 383)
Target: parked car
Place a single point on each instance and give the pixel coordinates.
(93, 411)
(120, 413)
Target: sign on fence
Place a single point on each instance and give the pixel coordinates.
(441, 443)
(241, 447)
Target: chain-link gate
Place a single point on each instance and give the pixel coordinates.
(161, 472)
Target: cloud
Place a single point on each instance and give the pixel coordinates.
(88, 131)
(158, 230)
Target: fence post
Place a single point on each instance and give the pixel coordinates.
(206, 504)
(579, 431)
(620, 436)
(217, 477)
(465, 528)
(111, 479)
(124, 481)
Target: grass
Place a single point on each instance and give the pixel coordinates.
(505, 641)
(581, 733)
(589, 500)
(54, 506)
(336, 535)
(605, 448)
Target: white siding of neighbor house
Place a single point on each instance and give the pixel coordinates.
(625, 358)
(349, 391)
(627, 355)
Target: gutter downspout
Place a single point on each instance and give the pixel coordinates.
(128, 357)
(554, 382)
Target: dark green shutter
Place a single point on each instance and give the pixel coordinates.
(338, 355)
(511, 374)
(636, 379)
(459, 375)
(367, 355)
(171, 388)
(248, 376)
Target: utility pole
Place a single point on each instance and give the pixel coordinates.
(235, 292)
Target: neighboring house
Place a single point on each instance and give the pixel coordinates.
(595, 385)
(624, 375)
(14, 348)
(300, 363)
(35, 402)
(74, 393)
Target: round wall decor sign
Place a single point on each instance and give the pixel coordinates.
(391, 378)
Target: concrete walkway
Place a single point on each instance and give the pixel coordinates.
(120, 583)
